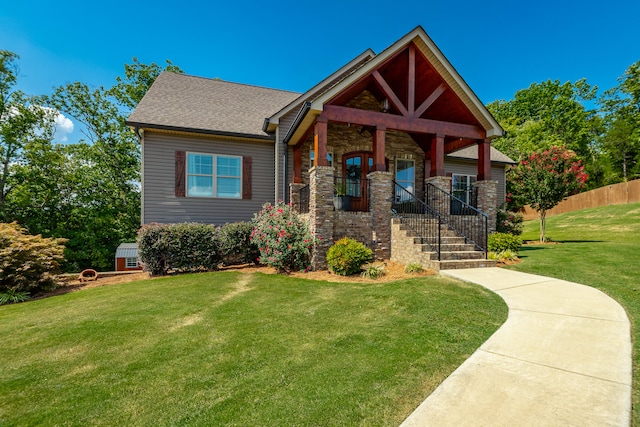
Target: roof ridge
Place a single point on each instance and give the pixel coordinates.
(218, 79)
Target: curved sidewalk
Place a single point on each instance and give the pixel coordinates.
(562, 358)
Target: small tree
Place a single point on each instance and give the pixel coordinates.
(547, 177)
(27, 263)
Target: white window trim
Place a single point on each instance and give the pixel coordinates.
(312, 154)
(469, 184)
(413, 183)
(131, 264)
(214, 183)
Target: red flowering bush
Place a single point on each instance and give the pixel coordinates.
(547, 177)
(282, 237)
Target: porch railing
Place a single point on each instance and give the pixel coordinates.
(458, 208)
(465, 220)
(304, 199)
(418, 217)
(355, 192)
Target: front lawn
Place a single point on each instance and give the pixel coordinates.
(238, 349)
(598, 247)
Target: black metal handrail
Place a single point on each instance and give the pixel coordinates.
(355, 189)
(467, 221)
(304, 199)
(418, 217)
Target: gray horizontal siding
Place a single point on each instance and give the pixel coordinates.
(466, 168)
(159, 201)
(286, 122)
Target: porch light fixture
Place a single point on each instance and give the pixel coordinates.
(367, 130)
(384, 105)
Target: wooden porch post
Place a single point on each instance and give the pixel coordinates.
(297, 164)
(320, 142)
(378, 149)
(437, 155)
(484, 160)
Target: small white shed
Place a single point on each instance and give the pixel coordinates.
(127, 257)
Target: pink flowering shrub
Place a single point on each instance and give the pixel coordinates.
(282, 237)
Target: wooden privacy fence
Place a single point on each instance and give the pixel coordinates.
(616, 194)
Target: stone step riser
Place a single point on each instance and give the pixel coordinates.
(449, 248)
(454, 252)
(452, 265)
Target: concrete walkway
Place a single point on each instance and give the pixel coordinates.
(562, 358)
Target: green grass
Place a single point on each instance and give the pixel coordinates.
(237, 349)
(598, 247)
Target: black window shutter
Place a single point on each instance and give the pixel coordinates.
(246, 177)
(181, 163)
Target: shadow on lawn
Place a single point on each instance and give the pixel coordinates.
(580, 241)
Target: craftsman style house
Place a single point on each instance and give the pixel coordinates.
(393, 149)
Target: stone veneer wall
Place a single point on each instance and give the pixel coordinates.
(381, 194)
(321, 213)
(437, 199)
(357, 225)
(405, 251)
(294, 195)
(487, 201)
(343, 139)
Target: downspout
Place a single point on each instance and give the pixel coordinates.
(296, 122)
(136, 130)
(285, 193)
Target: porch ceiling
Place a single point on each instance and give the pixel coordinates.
(395, 78)
(425, 96)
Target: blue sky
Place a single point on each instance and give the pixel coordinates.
(498, 47)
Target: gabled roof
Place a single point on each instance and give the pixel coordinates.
(326, 84)
(186, 103)
(435, 57)
(471, 153)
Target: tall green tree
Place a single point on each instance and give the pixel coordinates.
(21, 119)
(85, 191)
(105, 166)
(621, 108)
(550, 114)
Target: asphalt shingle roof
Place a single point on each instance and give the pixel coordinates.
(471, 153)
(180, 101)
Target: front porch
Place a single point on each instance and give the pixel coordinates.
(380, 137)
(439, 231)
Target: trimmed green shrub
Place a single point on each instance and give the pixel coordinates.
(373, 271)
(182, 247)
(499, 242)
(235, 243)
(509, 222)
(282, 237)
(28, 264)
(347, 256)
(413, 267)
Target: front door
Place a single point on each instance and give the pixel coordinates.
(355, 167)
